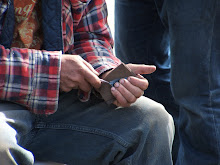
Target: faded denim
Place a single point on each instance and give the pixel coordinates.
(88, 133)
(194, 30)
(141, 37)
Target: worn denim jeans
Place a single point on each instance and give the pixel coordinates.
(89, 133)
(194, 30)
(141, 37)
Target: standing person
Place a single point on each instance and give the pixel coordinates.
(52, 55)
(194, 34)
(141, 37)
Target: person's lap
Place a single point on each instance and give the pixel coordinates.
(93, 132)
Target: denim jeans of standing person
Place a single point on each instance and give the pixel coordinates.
(140, 37)
(90, 133)
(194, 32)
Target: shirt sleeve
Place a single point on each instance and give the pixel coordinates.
(31, 78)
(92, 36)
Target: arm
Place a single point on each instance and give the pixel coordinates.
(92, 37)
(94, 43)
(127, 91)
(30, 77)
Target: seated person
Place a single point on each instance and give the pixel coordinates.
(53, 55)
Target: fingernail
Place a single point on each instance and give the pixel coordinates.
(116, 84)
(122, 81)
(113, 88)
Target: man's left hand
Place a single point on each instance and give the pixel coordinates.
(127, 91)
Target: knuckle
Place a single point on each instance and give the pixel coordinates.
(95, 84)
(65, 89)
(127, 105)
(77, 78)
(145, 85)
(141, 94)
(124, 103)
(131, 99)
(86, 89)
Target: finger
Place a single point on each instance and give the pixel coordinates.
(93, 80)
(90, 67)
(65, 89)
(91, 77)
(125, 93)
(134, 90)
(116, 103)
(67, 85)
(84, 86)
(142, 69)
(140, 76)
(120, 100)
(140, 83)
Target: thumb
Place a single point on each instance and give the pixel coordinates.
(141, 68)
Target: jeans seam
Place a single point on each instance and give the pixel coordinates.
(85, 129)
(32, 134)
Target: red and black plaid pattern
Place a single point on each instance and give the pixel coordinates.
(92, 37)
(68, 37)
(31, 77)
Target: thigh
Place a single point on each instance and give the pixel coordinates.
(95, 133)
(194, 44)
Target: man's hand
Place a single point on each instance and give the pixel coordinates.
(76, 73)
(126, 91)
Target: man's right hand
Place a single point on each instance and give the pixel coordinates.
(76, 73)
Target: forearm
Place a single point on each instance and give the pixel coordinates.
(92, 37)
(30, 77)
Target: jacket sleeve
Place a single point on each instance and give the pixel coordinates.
(31, 78)
(92, 36)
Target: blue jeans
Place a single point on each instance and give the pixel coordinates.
(87, 133)
(140, 37)
(194, 38)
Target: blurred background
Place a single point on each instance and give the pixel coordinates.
(111, 8)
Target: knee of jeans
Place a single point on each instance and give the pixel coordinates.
(163, 123)
(162, 115)
(157, 116)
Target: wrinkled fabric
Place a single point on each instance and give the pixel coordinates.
(31, 77)
(141, 37)
(194, 31)
(87, 133)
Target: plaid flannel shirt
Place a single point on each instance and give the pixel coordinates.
(31, 77)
